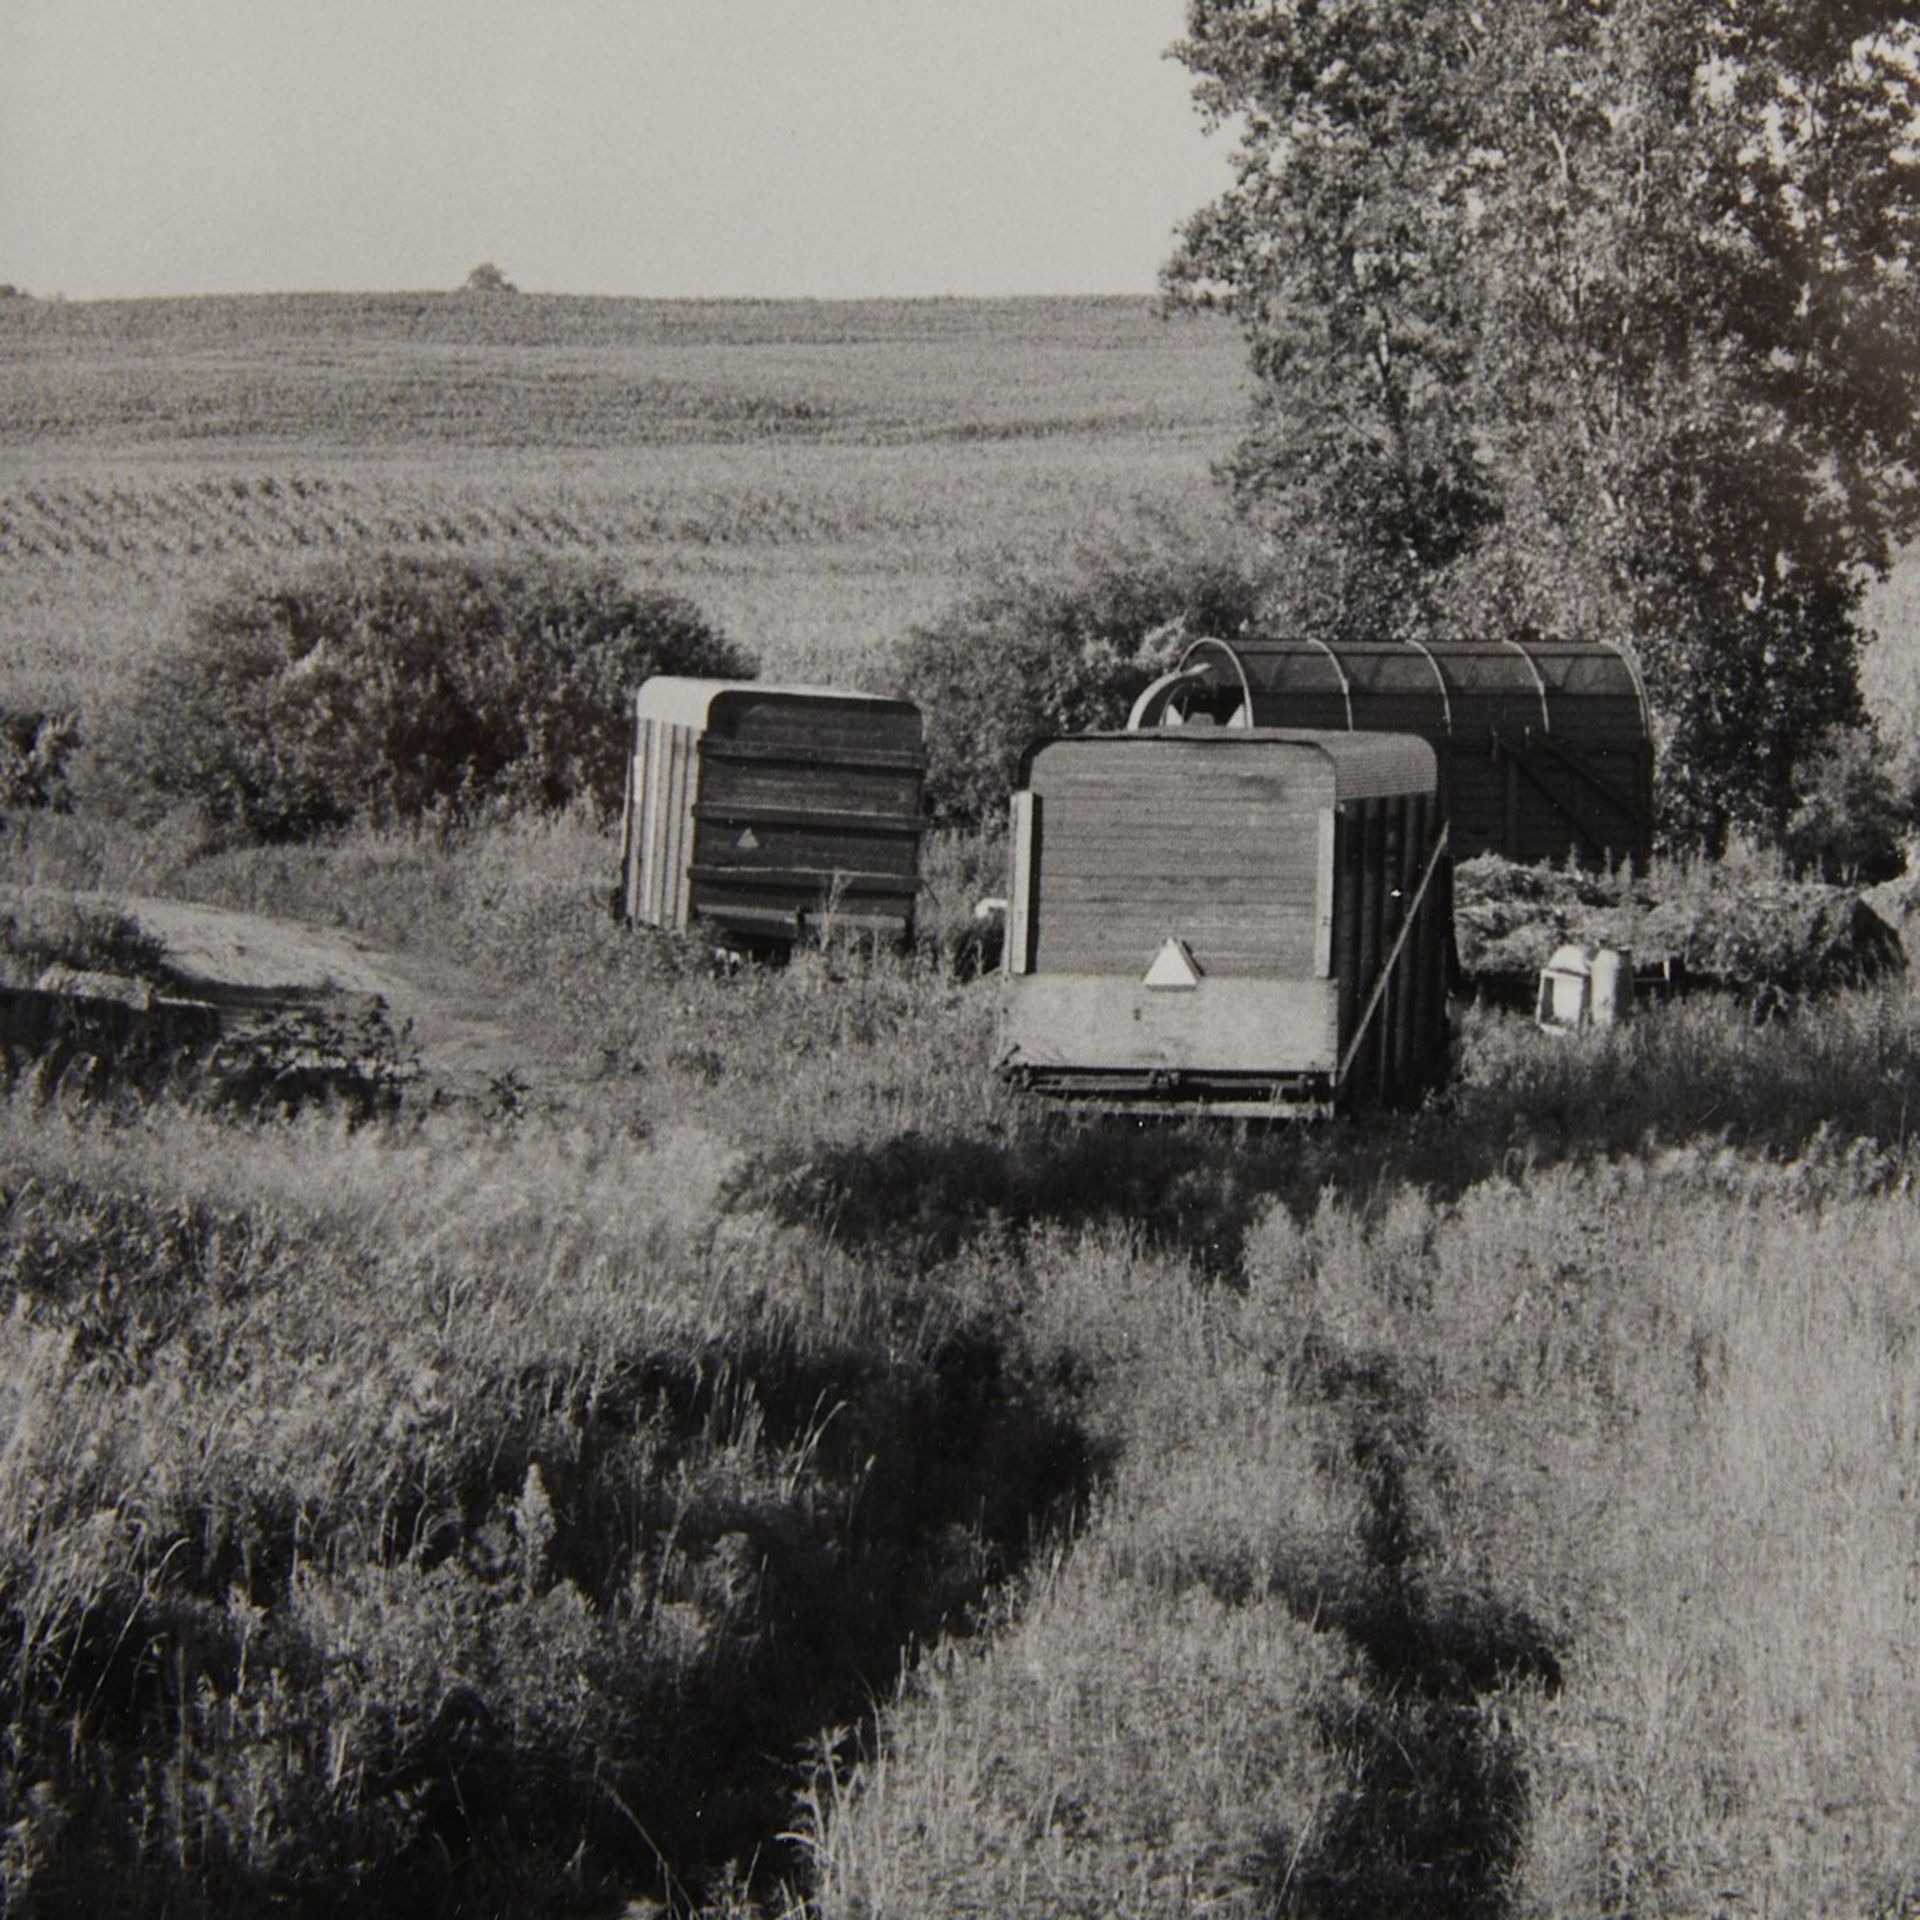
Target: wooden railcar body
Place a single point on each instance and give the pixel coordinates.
(1545, 746)
(1249, 922)
(763, 812)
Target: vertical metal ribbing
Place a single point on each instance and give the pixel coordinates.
(1324, 882)
(1427, 957)
(1349, 866)
(1373, 836)
(679, 825)
(1393, 900)
(1405, 992)
(654, 852)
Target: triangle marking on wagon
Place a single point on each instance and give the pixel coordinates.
(1174, 968)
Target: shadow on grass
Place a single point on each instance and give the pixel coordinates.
(576, 1643)
(1835, 1087)
(1435, 1819)
(1437, 1807)
(918, 1487)
(922, 1197)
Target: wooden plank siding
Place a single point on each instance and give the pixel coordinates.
(1095, 1023)
(763, 810)
(821, 783)
(1218, 850)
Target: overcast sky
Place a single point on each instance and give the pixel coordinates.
(822, 147)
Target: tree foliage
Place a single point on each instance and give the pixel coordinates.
(1059, 647)
(1592, 316)
(390, 687)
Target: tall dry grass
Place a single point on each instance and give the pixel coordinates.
(448, 1517)
(1527, 1530)
(1501, 1507)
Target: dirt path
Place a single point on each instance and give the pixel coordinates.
(461, 1022)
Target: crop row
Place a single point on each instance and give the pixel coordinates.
(212, 515)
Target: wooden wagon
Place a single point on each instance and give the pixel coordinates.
(1545, 746)
(1241, 921)
(765, 812)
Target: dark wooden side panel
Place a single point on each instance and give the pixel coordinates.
(1393, 998)
(1301, 707)
(816, 722)
(1393, 854)
(1405, 988)
(730, 838)
(1537, 804)
(1373, 845)
(809, 811)
(1350, 852)
(821, 784)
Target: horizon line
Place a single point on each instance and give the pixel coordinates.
(59, 298)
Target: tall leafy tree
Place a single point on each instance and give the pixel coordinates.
(1589, 316)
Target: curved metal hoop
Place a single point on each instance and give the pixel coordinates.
(1239, 668)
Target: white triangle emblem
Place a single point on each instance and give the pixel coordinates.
(1173, 966)
(749, 841)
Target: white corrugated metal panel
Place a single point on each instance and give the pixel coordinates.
(663, 785)
(1019, 939)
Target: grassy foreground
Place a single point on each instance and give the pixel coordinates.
(785, 1475)
(1501, 1509)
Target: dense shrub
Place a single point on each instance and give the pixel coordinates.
(1859, 799)
(390, 687)
(1047, 649)
(36, 749)
(42, 930)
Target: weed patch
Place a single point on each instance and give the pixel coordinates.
(365, 1608)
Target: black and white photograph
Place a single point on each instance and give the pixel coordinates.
(960, 959)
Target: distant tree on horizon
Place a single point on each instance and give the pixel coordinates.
(487, 278)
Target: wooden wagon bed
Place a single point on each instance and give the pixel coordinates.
(1242, 921)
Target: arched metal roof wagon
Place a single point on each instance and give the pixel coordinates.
(1545, 746)
(761, 812)
(1238, 921)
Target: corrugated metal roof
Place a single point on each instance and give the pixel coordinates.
(680, 701)
(1550, 677)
